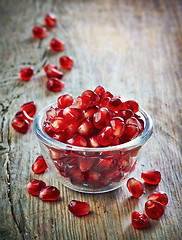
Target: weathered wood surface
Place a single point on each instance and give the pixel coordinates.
(132, 48)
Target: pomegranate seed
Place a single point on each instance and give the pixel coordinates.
(154, 209)
(66, 62)
(116, 141)
(151, 177)
(71, 130)
(34, 186)
(107, 162)
(55, 154)
(139, 220)
(26, 73)
(101, 118)
(118, 126)
(57, 45)
(78, 208)
(50, 20)
(77, 140)
(60, 137)
(59, 112)
(39, 32)
(47, 129)
(89, 112)
(159, 197)
(25, 116)
(85, 164)
(49, 66)
(58, 124)
(108, 94)
(105, 102)
(51, 113)
(115, 104)
(125, 114)
(132, 105)
(133, 120)
(105, 137)
(135, 187)
(76, 176)
(20, 125)
(72, 114)
(100, 91)
(55, 84)
(90, 98)
(39, 166)
(86, 127)
(92, 177)
(92, 142)
(30, 108)
(64, 101)
(49, 193)
(130, 132)
(53, 72)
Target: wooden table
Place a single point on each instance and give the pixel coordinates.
(132, 48)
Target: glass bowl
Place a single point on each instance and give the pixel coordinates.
(91, 170)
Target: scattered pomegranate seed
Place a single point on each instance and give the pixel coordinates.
(118, 126)
(39, 32)
(55, 84)
(49, 66)
(105, 137)
(64, 101)
(20, 125)
(26, 73)
(101, 118)
(30, 108)
(115, 104)
(58, 124)
(56, 45)
(135, 187)
(154, 209)
(39, 166)
(139, 220)
(50, 20)
(77, 141)
(25, 116)
(159, 197)
(151, 177)
(53, 72)
(66, 62)
(49, 193)
(78, 208)
(34, 186)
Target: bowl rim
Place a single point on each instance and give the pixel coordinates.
(136, 142)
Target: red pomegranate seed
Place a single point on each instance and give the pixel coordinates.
(50, 20)
(125, 114)
(39, 166)
(90, 98)
(118, 126)
(101, 118)
(159, 197)
(135, 187)
(100, 91)
(39, 32)
(47, 129)
(116, 141)
(115, 104)
(72, 114)
(34, 186)
(24, 115)
(51, 113)
(57, 45)
(77, 140)
(30, 108)
(108, 94)
(151, 177)
(92, 142)
(75, 175)
(49, 193)
(53, 72)
(106, 136)
(105, 102)
(64, 101)
(20, 125)
(78, 208)
(66, 62)
(133, 120)
(154, 209)
(49, 66)
(86, 127)
(71, 130)
(85, 163)
(132, 105)
(106, 162)
(92, 177)
(55, 84)
(130, 132)
(89, 112)
(58, 124)
(26, 73)
(61, 137)
(139, 220)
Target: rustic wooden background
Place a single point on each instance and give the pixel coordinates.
(132, 48)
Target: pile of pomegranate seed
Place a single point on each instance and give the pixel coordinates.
(24, 117)
(154, 207)
(94, 119)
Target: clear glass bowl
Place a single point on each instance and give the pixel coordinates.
(91, 170)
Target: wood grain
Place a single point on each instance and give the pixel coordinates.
(132, 48)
